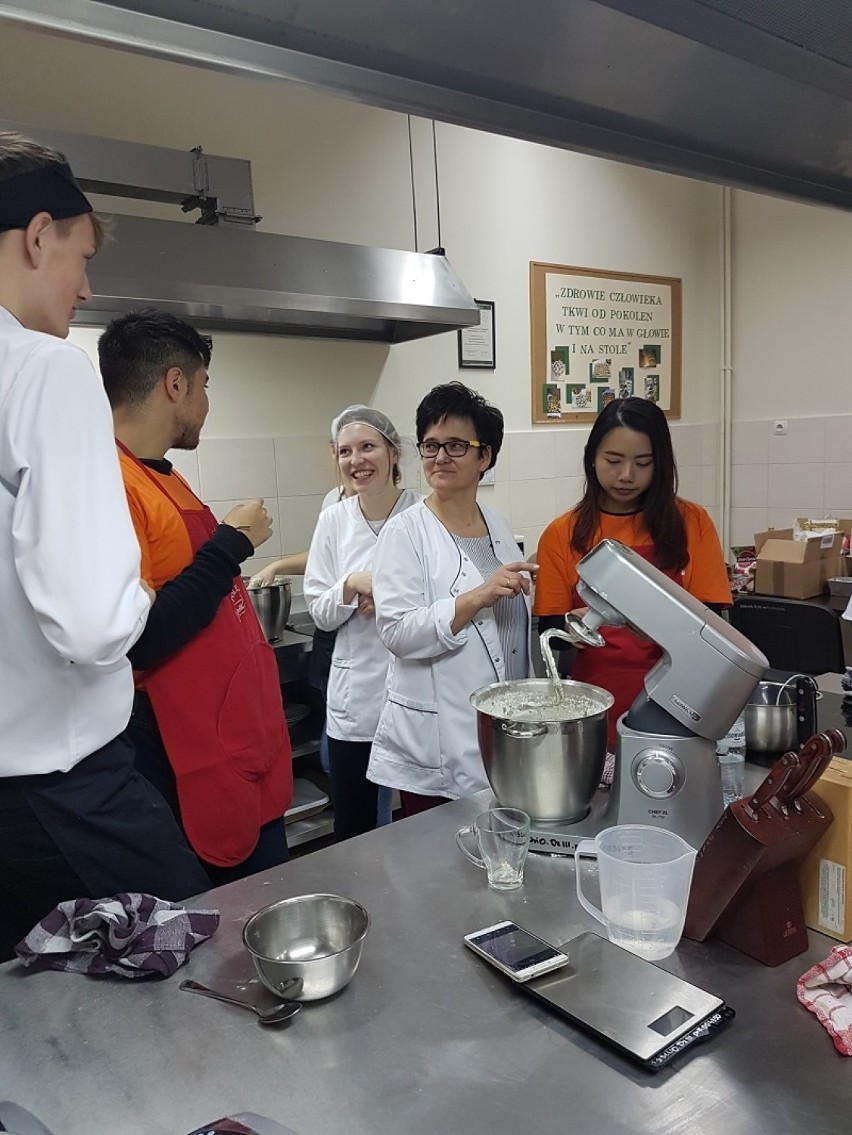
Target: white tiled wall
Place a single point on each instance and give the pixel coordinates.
(291, 474)
(539, 475)
(807, 472)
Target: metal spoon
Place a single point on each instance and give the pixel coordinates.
(271, 1016)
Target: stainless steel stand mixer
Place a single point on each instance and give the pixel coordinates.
(666, 772)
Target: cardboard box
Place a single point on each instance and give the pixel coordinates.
(839, 592)
(795, 569)
(826, 874)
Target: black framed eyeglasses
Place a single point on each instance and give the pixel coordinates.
(455, 447)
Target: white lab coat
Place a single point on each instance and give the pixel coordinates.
(72, 605)
(426, 741)
(344, 542)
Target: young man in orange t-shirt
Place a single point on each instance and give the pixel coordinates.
(208, 719)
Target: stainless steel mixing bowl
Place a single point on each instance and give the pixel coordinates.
(307, 947)
(771, 718)
(548, 768)
(272, 606)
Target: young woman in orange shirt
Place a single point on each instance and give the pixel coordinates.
(631, 496)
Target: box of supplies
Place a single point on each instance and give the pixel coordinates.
(840, 591)
(826, 873)
(796, 569)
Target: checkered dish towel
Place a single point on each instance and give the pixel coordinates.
(608, 771)
(133, 935)
(827, 991)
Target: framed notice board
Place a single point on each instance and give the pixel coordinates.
(598, 335)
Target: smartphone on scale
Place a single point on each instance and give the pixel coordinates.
(515, 951)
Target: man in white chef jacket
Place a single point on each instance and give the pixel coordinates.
(76, 819)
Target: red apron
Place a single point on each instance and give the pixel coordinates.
(622, 664)
(219, 710)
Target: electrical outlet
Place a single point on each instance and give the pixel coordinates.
(779, 429)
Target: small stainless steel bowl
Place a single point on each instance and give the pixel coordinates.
(271, 603)
(307, 947)
(770, 717)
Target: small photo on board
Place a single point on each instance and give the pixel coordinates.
(551, 400)
(560, 364)
(652, 387)
(625, 382)
(649, 355)
(580, 396)
(600, 370)
(606, 394)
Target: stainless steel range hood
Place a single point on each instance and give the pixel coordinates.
(753, 93)
(222, 273)
(230, 278)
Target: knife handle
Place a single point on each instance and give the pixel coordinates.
(811, 758)
(834, 742)
(837, 739)
(780, 773)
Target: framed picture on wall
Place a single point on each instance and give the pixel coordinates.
(477, 345)
(597, 335)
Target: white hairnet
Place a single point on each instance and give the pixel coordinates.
(335, 422)
(366, 416)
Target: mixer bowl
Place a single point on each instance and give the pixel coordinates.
(547, 767)
(271, 604)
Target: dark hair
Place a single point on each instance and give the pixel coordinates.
(137, 349)
(455, 400)
(661, 514)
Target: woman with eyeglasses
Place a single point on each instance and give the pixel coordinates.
(451, 591)
(339, 591)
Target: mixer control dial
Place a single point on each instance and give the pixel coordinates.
(658, 773)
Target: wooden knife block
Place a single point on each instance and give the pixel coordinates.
(745, 887)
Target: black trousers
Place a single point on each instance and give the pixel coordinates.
(94, 831)
(152, 761)
(355, 798)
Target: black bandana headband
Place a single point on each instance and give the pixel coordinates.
(51, 188)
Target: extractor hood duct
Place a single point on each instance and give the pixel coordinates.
(229, 278)
(222, 273)
(751, 93)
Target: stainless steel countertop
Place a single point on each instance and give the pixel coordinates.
(427, 1040)
(292, 639)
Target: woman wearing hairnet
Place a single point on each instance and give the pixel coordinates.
(338, 588)
(296, 562)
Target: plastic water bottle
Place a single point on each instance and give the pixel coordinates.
(730, 752)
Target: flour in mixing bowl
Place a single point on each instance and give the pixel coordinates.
(526, 705)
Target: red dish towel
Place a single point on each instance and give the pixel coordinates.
(827, 991)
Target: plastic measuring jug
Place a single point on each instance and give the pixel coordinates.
(645, 875)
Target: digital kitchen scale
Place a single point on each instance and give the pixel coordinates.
(634, 1006)
(561, 838)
